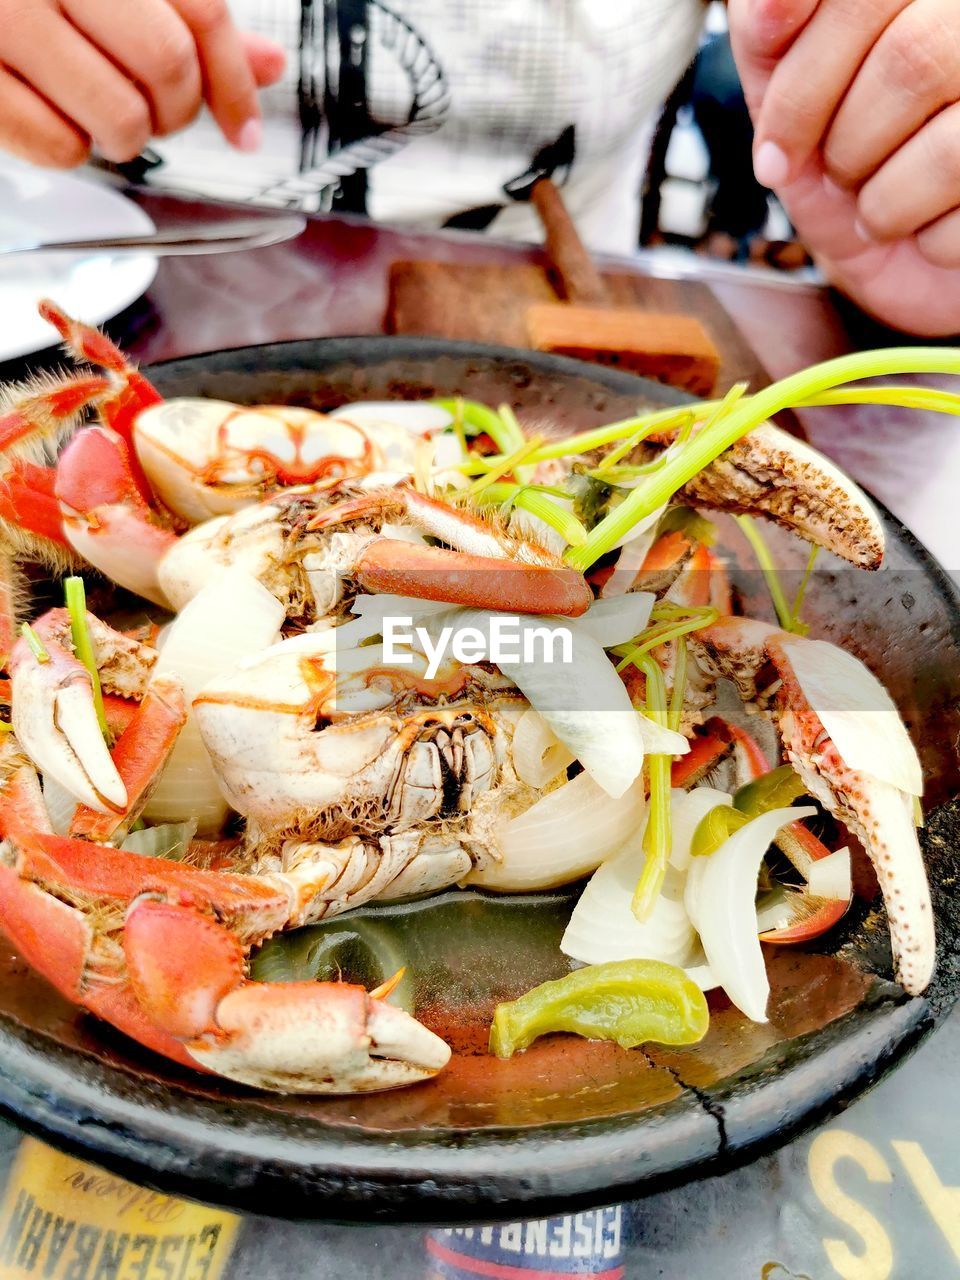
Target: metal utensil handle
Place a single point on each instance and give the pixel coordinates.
(580, 278)
(219, 237)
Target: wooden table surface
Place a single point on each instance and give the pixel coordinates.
(333, 279)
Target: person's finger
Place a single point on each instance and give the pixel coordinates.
(940, 242)
(65, 68)
(918, 184)
(912, 72)
(811, 80)
(228, 83)
(32, 129)
(761, 31)
(157, 51)
(266, 58)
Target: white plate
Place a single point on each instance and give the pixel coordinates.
(38, 204)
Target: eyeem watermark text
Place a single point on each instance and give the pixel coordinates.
(504, 640)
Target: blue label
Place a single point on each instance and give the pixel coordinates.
(578, 1244)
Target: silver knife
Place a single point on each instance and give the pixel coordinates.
(210, 237)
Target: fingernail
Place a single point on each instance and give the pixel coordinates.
(771, 165)
(862, 232)
(251, 135)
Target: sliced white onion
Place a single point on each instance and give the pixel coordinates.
(603, 926)
(537, 529)
(419, 417)
(584, 702)
(831, 877)
(61, 805)
(538, 754)
(856, 711)
(619, 620)
(775, 910)
(171, 840)
(231, 619)
(687, 810)
(391, 606)
(720, 898)
(644, 530)
(564, 836)
(658, 740)
(402, 533)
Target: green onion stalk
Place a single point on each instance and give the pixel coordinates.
(658, 836)
(731, 420)
(76, 599)
(34, 643)
(538, 501)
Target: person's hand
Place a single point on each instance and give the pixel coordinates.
(856, 107)
(118, 72)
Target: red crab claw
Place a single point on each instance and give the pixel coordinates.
(301, 1037)
(184, 939)
(131, 391)
(489, 568)
(56, 723)
(139, 755)
(105, 517)
(878, 811)
(59, 940)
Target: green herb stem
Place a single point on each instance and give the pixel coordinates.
(538, 502)
(76, 598)
(727, 427)
(507, 464)
(658, 836)
(769, 570)
(34, 642)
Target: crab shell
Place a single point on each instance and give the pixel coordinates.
(319, 743)
(207, 458)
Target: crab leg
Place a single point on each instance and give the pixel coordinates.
(300, 1037)
(180, 987)
(769, 472)
(878, 812)
(53, 713)
(432, 573)
(105, 517)
(489, 568)
(132, 392)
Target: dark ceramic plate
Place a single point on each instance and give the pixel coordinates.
(568, 1121)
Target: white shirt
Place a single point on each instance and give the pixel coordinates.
(489, 82)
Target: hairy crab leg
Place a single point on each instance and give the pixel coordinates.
(489, 568)
(105, 517)
(132, 392)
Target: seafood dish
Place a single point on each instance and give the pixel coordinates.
(300, 663)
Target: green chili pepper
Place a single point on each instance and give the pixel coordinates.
(774, 790)
(714, 828)
(628, 1001)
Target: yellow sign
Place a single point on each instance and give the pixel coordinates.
(62, 1219)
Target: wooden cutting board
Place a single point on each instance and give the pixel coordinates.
(489, 304)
